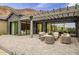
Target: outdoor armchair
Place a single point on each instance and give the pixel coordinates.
(66, 38)
(49, 39)
(56, 35)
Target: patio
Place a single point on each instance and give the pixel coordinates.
(24, 45)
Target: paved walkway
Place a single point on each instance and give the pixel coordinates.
(33, 46)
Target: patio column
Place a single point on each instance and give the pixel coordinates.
(19, 27)
(31, 26)
(44, 27)
(77, 28)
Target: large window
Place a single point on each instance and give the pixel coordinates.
(68, 27)
(28, 27)
(25, 27)
(61, 27)
(49, 28)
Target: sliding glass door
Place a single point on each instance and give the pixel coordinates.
(25, 27)
(14, 28)
(39, 27)
(49, 28)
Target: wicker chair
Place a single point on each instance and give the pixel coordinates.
(56, 35)
(41, 34)
(42, 38)
(49, 39)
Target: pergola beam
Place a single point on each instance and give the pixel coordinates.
(58, 14)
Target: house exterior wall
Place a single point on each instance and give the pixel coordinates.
(36, 28)
(3, 27)
(13, 18)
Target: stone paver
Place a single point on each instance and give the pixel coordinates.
(34, 46)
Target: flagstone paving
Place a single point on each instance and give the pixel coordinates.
(25, 45)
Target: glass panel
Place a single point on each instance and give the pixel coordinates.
(39, 26)
(54, 27)
(12, 30)
(15, 28)
(49, 28)
(28, 27)
(58, 27)
(23, 27)
(61, 27)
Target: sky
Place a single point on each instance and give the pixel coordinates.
(40, 6)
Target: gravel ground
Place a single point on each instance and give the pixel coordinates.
(22, 45)
(2, 52)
